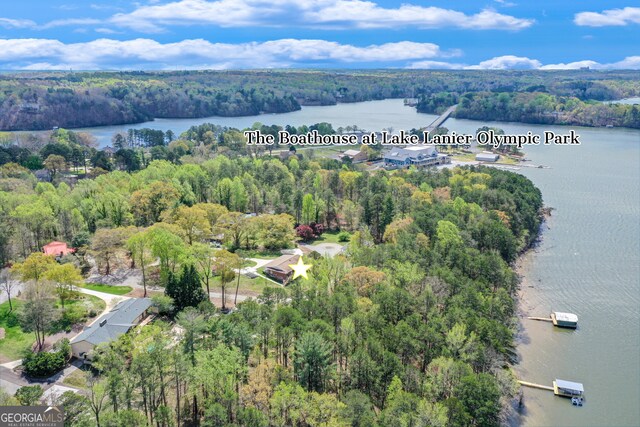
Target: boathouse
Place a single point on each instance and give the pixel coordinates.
(567, 388)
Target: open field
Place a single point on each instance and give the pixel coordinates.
(15, 340)
(108, 289)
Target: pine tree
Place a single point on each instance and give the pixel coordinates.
(172, 289)
(187, 291)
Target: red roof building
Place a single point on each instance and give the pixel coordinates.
(57, 249)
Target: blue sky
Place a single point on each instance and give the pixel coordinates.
(224, 34)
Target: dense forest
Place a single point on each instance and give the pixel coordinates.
(533, 107)
(412, 326)
(37, 101)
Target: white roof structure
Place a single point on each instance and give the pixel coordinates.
(487, 157)
(51, 395)
(570, 385)
(566, 317)
(351, 153)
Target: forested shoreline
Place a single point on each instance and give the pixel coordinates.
(412, 325)
(44, 100)
(533, 107)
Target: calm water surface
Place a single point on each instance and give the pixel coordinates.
(588, 261)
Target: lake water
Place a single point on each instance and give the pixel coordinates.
(587, 263)
(373, 116)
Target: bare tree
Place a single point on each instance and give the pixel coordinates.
(7, 285)
(97, 397)
(39, 310)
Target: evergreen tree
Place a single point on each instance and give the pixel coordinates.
(187, 291)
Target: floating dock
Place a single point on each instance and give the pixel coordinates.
(560, 387)
(559, 319)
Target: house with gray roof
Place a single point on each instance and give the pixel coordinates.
(124, 316)
(419, 156)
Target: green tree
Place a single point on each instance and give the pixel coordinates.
(139, 246)
(38, 312)
(202, 254)
(37, 218)
(216, 378)
(34, 267)
(193, 323)
(65, 277)
(167, 246)
(358, 409)
(193, 222)
(55, 164)
(225, 265)
(233, 226)
(288, 404)
(187, 290)
(29, 395)
(76, 408)
(312, 361)
(308, 209)
(480, 396)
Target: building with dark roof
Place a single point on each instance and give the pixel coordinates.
(124, 316)
(279, 269)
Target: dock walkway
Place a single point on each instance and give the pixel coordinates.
(534, 385)
(542, 319)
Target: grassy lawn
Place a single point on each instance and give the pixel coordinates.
(15, 340)
(76, 379)
(256, 285)
(108, 289)
(466, 157)
(328, 237)
(507, 160)
(249, 263)
(79, 310)
(263, 254)
(89, 302)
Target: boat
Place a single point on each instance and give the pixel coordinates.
(564, 320)
(577, 401)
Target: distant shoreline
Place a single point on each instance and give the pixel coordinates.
(263, 114)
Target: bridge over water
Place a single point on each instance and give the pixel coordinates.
(441, 119)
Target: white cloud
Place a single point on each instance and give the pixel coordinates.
(437, 65)
(571, 65)
(106, 31)
(507, 62)
(142, 53)
(317, 13)
(66, 22)
(16, 23)
(611, 17)
(630, 62)
(198, 53)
